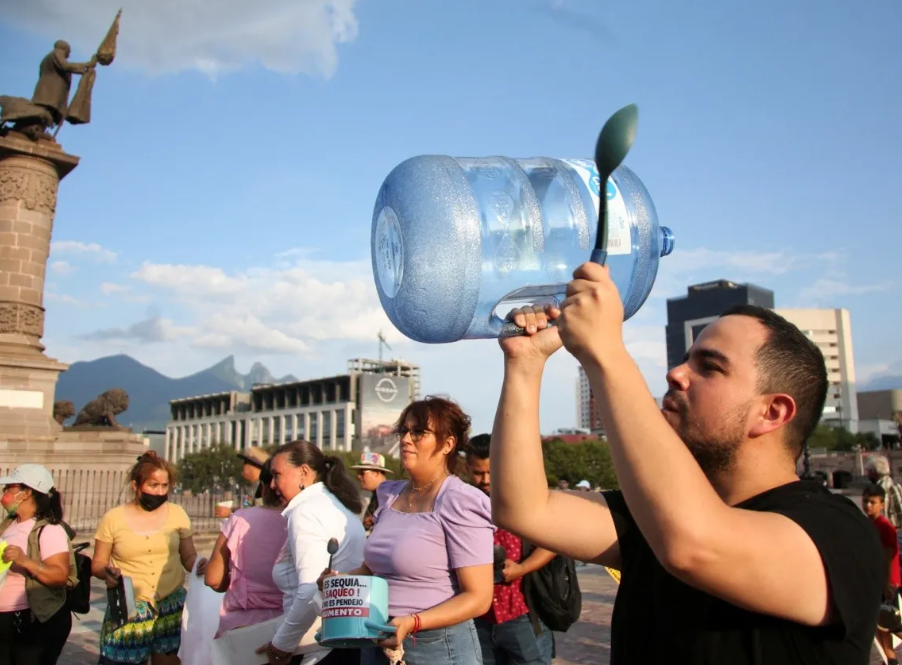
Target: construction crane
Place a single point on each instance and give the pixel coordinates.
(382, 343)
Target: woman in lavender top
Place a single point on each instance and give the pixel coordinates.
(432, 541)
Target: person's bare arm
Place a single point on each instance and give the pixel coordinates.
(52, 571)
(216, 575)
(538, 559)
(188, 555)
(474, 599)
(578, 526)
(100, 563)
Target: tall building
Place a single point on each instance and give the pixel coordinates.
(689, 314)
(831, 330)
(587, 415)
(352, 411)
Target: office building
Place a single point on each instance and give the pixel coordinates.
(352, 411)
(587, 415)
(831, 330)
(689, 314)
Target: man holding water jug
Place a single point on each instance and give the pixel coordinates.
(726, 555)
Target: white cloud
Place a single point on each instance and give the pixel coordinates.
(245, 332)
(92, 250)
(110, 287)
(274, 310)
(62, 267)
(827, 289)
(162, 36)
(64, 299)
(153, 329)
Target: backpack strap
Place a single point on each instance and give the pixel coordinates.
(72, 580)
(527, 548)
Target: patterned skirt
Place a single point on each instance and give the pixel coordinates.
(151, 631)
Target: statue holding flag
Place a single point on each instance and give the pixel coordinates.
(50, 106)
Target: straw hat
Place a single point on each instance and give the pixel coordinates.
(372, 462)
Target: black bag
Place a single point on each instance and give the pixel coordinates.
(552, 592)
(78, 598)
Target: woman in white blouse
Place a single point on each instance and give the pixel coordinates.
(323, 503)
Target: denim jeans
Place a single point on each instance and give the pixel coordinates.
(514, 642)
(455, 645)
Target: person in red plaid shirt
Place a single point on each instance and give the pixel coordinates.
(506, 633)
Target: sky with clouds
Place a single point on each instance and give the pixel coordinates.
(225, 194)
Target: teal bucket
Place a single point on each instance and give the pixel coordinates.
(355, 611)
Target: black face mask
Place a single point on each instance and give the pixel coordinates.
(151, 502)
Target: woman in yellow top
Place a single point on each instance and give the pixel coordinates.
(150, 541)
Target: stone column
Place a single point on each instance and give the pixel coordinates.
(167, 443)
(30, 173)
(332, 434)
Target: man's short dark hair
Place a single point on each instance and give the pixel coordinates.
(788, 362)
(478, 447)
(873, 490)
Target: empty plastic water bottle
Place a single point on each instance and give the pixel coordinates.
(458, 242)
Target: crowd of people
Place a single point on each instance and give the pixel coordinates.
(725, 554)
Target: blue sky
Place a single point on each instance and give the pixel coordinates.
(225, 193)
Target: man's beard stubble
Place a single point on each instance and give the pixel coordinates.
(715, 452)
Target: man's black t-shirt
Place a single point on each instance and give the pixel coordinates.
(659, 619)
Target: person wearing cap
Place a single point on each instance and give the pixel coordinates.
(371, 472)
(34, 619)
(584, 486)
(254, 458)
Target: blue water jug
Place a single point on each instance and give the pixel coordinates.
(459, 242)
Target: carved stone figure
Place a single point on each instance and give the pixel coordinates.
(50, 105)
(63, 410)
(102, 412)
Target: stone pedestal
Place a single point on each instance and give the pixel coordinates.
(84, 450)
(29, 178)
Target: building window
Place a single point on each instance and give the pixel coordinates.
(313, 427)
(340, 425)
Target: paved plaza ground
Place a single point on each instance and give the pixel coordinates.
(586, 643)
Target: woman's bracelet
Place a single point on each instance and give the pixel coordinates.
(416, 624)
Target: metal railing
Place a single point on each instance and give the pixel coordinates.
(89, 494)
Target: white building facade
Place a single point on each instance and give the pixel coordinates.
(587, 416)
(831, 330)
(354, 411)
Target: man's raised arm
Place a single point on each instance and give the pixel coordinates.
(578, 526)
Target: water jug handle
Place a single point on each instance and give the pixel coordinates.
(381, 627)
(511, 329)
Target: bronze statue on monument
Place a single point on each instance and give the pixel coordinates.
(32, 164)
(49, 106)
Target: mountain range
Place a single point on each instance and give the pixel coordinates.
(149, 391)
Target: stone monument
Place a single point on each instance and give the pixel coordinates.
(32, 164)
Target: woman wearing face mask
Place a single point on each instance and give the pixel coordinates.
(323, 503)
(148, 540)
(432, 540)
(34, 618)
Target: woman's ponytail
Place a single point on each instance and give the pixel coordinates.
(49, 506)
(336, 479)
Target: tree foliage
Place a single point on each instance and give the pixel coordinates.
(841, 439)
(590, 460)
(216, 469)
